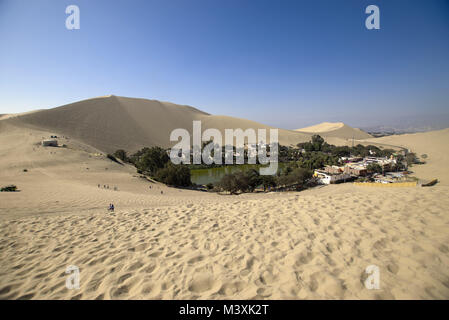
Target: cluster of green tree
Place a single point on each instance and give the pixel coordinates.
(316, 159)
(240, 181)
(174, 175)
(288, 154)
(374, 168)
(149, 160)
(122, 155)
(317, 144)
(212, 147)
(155, 162)
(292, 177)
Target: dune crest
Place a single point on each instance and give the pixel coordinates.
(323, 127)
(336, 130)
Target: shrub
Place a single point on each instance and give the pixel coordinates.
(251, 179)
(174, 175)
(267, 182)
(25, 170)
(121, 154)
(150, 159)
(245, 181)
(374, 168)
(209, 186)
(10, 188)
(295, 177)
(230, 183)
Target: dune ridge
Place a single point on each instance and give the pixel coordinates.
(336, 130)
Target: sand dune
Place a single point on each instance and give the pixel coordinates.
(110, 123)
(14, 115)
(183, 244)
(336, 130)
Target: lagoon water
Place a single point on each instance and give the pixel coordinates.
(214, 175)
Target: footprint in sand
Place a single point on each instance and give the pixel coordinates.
(155, 254)
(135, 266)
(202, 283)
(264, 292)
(304, 258)
(119, 292)
(149, 268)
(124, 277)
(393, 268)
(231, 288)
(195, 260)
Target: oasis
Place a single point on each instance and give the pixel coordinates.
(212, 152)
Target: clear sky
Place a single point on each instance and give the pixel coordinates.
(283, 63)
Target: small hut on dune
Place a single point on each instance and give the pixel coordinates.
(50, 143)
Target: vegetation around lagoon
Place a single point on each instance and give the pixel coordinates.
(296, 173)
(155, 163)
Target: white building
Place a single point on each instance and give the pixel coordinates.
(327, 178)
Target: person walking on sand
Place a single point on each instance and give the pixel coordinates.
(111, 207)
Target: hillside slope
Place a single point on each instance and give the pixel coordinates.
(110, 123)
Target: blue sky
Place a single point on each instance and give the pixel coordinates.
(283, 63)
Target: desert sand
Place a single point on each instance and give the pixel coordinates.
(335, 130)
(183, 244)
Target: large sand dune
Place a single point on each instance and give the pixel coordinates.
(111, 122)
(336, 130)
(182, 244)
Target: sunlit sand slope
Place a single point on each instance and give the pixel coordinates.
(336, 130)
(110, 123)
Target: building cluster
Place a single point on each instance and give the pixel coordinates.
(355, 167)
